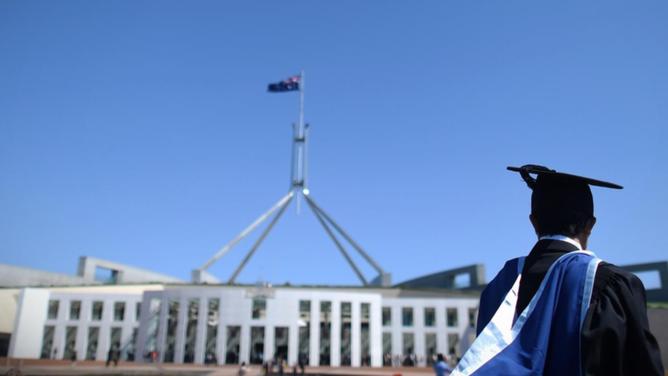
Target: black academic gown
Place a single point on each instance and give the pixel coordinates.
(615, 336)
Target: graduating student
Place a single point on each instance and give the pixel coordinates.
(561, 310)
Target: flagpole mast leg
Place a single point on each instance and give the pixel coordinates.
(258, 242)
(338, 244)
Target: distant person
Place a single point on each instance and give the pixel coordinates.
(55, 353)
(302, 363)
(561, 310)
(130, 355)
(112, 356)
(242, 369)
(281, 366)
(441, 367)
(210, 358)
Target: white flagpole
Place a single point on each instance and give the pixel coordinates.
(301, 100)
(300, 134)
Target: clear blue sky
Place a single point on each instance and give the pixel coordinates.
(141, 132)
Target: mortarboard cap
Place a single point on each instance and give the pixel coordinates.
(560, 197)
(526, 170)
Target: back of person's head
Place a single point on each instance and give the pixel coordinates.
(561, 206)
(440, 357)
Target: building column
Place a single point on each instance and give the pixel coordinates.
(441, 330)
(356, 336)
(397, 332)
(126, 335)
(376, 334)
(200, 338)
(268, 342)
(221, 337)
(418, 328)
(28, 326)
(293, 342)
(81, 340)
(244, 345)
(162, 326)
(142, 329)
(181, 324)
(314, 341)
(335, 341)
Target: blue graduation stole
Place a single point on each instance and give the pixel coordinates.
(545, 338)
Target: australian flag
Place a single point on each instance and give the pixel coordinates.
(290, 84)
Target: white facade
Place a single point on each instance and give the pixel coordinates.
(36, 317)
(450, 334)
(30, 311)
(196, 323)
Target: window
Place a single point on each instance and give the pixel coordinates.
(93, 337)
(453, 343)
(346, 326)
(70, 343)
(409, 357)
(119, 311)
(257, 345)
(53, 309)
(364, 334)
(387, 349)
(191, 330)
(115, 338)
(47, 343)
(472, 317)
(409, 344)
(304, 331)
(281, 339)
(305, 310)
(137, 310)
(232, 345)
(152, 326)
(430, 347)
(170, 340)
(387, 316)
(96, 313)
(429, 316)
(211, 332)
(75, 309)
(259, 308)
(451, 314)
(325, 332)
(132, 346)
(407, 316)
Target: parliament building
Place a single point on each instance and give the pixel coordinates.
(149, 317)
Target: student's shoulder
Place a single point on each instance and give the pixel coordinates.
(612, 279)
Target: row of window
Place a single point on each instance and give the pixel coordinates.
(257, 333)
(408, 357)
(96, 310)
(324, 353)
(259, 310)
(451, 316)
(69, 352)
